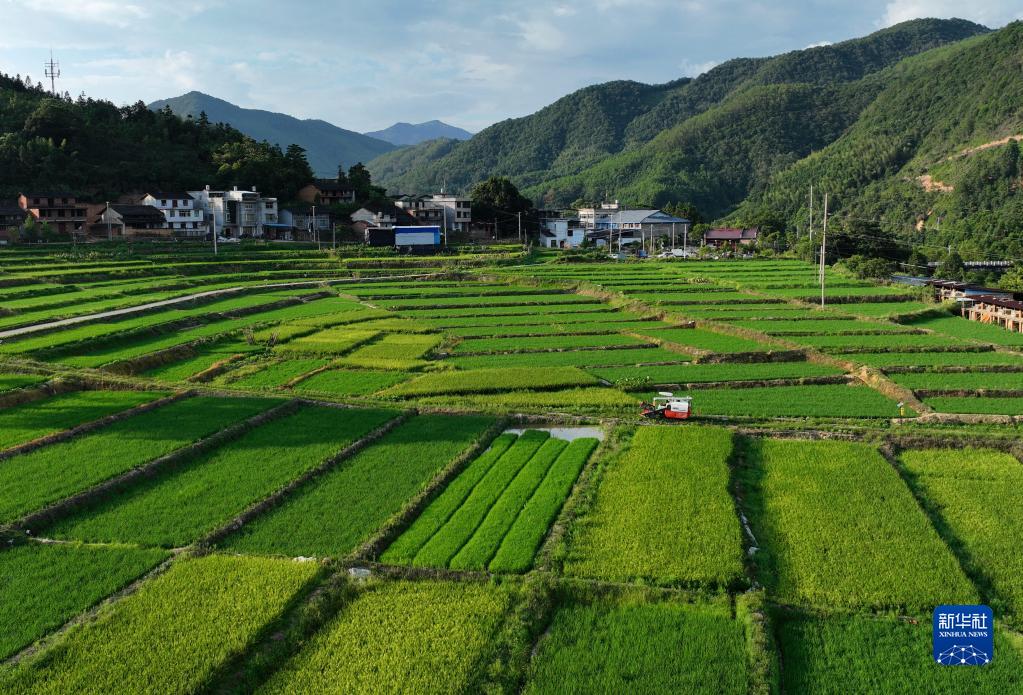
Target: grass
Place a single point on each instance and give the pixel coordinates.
(579, 399)
(172, 635)
(974, 492)
(578, 358)
(46, 585)
(179, 506)
(841, 343)
(459, 528)
(9, 382)
(822, 326)
(29, 421)
(646, 526)
(955, 381)
(416, 637)
(631, 647)
(933, 359)
(520, 543)
(978, 405)
(332, 341)
(819, 400)
(959, 327)
(393, 351)
(47, 475)
(350, 382)
(876, 549)
(696, 373)
(486, 380)
(276, 374)
(542, 343)
(370, 488)
(882, 309)
(707, 340)
(876, 656)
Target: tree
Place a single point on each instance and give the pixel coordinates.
(917, 264)
(953, 267)
(498, 193)
(684, 210)
(359, 178)
(1013, 279)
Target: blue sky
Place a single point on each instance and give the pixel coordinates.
(364, 65)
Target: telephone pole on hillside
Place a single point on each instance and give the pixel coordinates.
(824, 246)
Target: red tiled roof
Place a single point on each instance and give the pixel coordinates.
(731, 234)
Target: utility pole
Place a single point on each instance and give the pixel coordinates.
(110, 232)
(811, 214)
(824, 246)
(52, 70)
(316, 231)
(213, 224)
(522, 239)
(685, 240)
(672, 236)
(444, 214)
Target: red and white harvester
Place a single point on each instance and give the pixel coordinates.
(668, 406)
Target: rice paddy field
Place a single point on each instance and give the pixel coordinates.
(351, 473)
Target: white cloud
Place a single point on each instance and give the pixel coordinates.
(818, 44)
(689, 69)
(116, 14)
(992, 13)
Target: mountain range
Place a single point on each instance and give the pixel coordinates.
(402, 133)
(326, 145)
(866, 118)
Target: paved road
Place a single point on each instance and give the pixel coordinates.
(61, 323)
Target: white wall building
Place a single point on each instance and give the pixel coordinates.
(457, 210)
(238, 213)
(183, 217)
(561, 233)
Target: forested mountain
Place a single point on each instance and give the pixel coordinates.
(932, 159)
(99, 150)
(712, 140)
(326, 145)
(414, 133)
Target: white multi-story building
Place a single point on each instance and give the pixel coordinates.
(457, 211)
(239, 213)
(183, 217)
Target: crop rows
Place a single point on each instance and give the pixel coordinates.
(495, 379)
(976, 495)
(644, 525)
(497, 512)
(172, 635)
(35, 479)
(179, 506)
(874, 550)
(340, 509)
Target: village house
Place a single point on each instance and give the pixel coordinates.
(300, 223)
(612, 225)
(239, 213)
(380, 215)
(12, 218)
(994, 310)
(179, 210)
(731, 237)
(122, 220)
(561, 232)
(327, 192)
(61, 211)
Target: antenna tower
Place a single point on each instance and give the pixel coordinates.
(52, 70)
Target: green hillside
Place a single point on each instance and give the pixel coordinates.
(327, 145)
(637, 139)
(931, 111)
(100, 151)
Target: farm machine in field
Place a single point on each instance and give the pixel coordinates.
(668, 406)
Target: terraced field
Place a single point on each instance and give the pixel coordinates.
(373, 482)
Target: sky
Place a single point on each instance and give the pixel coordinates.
(365, 65)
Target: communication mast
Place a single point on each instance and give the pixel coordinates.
(51, 69)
